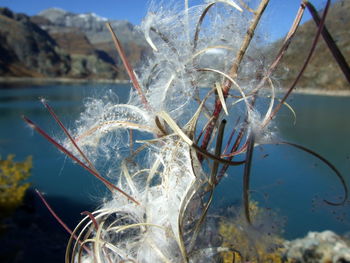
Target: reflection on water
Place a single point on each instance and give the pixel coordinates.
(283, 178)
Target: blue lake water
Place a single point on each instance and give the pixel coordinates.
(291, 182)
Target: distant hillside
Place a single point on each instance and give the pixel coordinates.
(27, 50)
(91, 24)
(323, 72)
(63, 25)
(57, 43)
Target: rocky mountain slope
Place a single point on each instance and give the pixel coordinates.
(91, 24)
(63, 25)
(57, 43)
(27, 50)
(323, 72)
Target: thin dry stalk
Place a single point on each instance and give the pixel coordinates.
(288, 39)
(246, 6)
(127, 66)
(306, 62)
(53, 114)
(330, 165)
(233, 72)
(246, 42)
(246, 177)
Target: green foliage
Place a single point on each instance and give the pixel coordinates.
(12, 185)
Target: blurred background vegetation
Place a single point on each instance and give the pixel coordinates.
(13, 183)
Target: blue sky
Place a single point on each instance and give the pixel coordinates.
(278, 17)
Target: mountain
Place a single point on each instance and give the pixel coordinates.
(91, 24)
(61, 25)
(26, 49)
(323, 72)
(57, 43)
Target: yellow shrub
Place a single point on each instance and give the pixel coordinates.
(254, 244)
(12, 185)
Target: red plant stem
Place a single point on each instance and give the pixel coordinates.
(131, 141)
(233, 73)
(47, 106)
(306, 62)
(234, 149)
(92, 218)
(128, 67)
(59, 220)
(74, 158)
(231, 136)
(210, 127)
(284, 47)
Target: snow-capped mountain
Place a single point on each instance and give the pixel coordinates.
(91, 24)
(87, 33)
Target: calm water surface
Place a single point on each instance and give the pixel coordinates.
(286, 179)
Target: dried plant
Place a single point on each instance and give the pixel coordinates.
(163, 153)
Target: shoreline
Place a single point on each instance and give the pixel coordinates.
(21, 80)
(30, 80)
(321, 92)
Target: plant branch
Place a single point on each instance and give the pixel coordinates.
(233, 72)
(246, 42)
